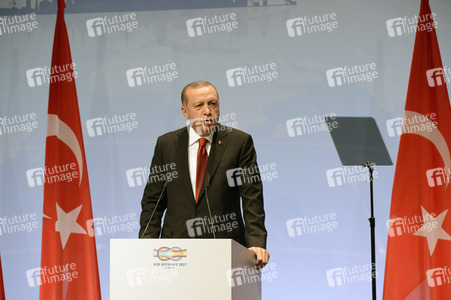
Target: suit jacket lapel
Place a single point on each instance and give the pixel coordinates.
(181, 160)
(217, 149)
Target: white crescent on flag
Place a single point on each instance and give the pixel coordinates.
(434, 136)
(56, 127)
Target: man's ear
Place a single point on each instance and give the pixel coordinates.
(184, 112)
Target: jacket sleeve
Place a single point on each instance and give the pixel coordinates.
(251, 192)
(152, 191)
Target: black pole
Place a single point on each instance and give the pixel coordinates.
(372, 220)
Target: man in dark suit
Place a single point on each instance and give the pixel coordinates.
(205, 159)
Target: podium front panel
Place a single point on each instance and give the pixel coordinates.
(182, 268)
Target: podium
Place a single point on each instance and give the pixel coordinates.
(219, 269)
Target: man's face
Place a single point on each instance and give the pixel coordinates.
(202, 109)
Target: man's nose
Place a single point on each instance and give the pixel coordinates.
(206, 110)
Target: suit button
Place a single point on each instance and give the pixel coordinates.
(196, 213)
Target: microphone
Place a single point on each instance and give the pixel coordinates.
(207, 183)
(165, 184)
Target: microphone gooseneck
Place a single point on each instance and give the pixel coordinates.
(165, 184)
(207, 183)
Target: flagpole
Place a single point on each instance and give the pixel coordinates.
(372, 221)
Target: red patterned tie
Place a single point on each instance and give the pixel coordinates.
(202, 158)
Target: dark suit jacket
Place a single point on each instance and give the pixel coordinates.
(184, 217)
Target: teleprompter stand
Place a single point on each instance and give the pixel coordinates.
(359, 142)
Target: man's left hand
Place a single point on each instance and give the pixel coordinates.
(262, 256)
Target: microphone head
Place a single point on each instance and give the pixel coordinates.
(207, 179)
(168, 179)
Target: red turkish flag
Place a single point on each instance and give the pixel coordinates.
(68, 259)
(418, 263)
(2, 288)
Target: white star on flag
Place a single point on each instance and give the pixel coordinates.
(67, 223)
(432, 229)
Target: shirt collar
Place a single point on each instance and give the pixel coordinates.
(193, 136)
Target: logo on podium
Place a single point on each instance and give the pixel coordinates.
(173, 253)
